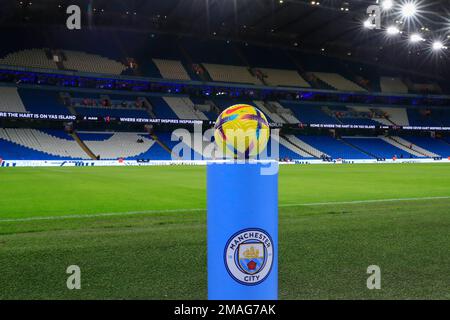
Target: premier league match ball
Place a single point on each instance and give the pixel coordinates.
(241, 132)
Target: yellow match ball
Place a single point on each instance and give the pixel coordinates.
(241, 132)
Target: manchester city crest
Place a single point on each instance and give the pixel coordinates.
(248, 256)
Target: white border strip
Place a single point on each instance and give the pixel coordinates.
(124, 163)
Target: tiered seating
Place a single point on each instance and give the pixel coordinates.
(303, 145)
(46, 145)
(309, 113)
(355, 115)
(272, 116)
(10, 100)
(199, 149)
(42, 101)
(34, 58)
(284, 113)
(334, 148)
(85, 62)
(399, 116)
(412, 146)
(420, 118)
(431, 117)
(229, 73)
(161, 109)
(171, 69)
(392, 85)
(280, 77)
(436, 146)
(119, 145)
(178, 147)
(184, 108)
(401, 146)
(338, 82)
(377, 147)
(290, 150)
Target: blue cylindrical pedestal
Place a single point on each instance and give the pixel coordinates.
(242, 231)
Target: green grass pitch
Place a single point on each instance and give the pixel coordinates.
(140, 232)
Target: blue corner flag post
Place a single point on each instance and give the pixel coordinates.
(242, 230)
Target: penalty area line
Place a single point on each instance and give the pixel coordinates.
(113, 214)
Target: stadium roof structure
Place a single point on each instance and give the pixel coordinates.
(334, 27)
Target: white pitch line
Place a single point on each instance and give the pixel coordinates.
(111, 214)
(361, 201)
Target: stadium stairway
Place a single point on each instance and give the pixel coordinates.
(292, 147)
(160, 143)
(421, 152)
(285, 113)
(315, 153)
(435, 145)
(265, 108)
(398, 145)
(357, 148)
(82, 145)
(414, 147)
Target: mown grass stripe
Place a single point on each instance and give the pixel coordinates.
(112, 214)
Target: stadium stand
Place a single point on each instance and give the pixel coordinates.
(118, 145)
(266, 109)
(337, 149)
(230, 73)
(34, 58)
(171, 69)
(86, 62)
(31, 144)
(182, 58)
(437, 146)
(392, 85)
(309, 113)
(413, 147)
(285, 113)
(10, 100)
(338, 82)
(42, 101)
(276, 112)
(407, 149)
(47, 146)
(378, 147)
(352, 115)
(304, 146)
(280, 77)
(394, 116)
(290, 150)
(184, 108)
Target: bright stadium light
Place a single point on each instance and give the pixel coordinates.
(392, 30)
(408, 9)
(416, 37)
(438, 45)
(387, 4)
